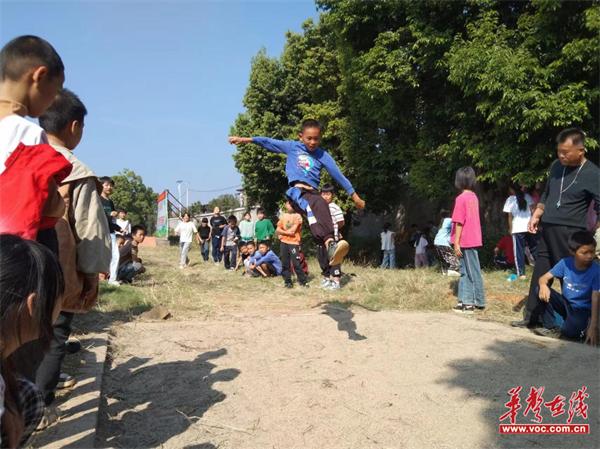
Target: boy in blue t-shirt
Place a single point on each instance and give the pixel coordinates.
(579, 302)
(305, 161)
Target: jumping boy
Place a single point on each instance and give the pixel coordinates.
(580, 299)
(289, 230)
(305, 160)
(332, 274)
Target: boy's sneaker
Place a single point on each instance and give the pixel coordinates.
(336, 251)
(114, 283)
(65, 381)
(479, 307)
(334, 286)
(288, 285)
(453, 273)
(325, 283)
(305, 284)
(550, 333)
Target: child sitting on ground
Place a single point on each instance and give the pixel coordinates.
(247, 255)
(265, 262)
(504, 256)
(289, 230)
(130, 265)
(229, 241)
(332, 274)
(578, 305)
(31, 285)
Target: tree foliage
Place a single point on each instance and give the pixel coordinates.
(224, 202)
(411, 90)
(136, 198)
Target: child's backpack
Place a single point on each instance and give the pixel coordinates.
(29, 198)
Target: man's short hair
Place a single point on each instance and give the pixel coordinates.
(137, 228)
(465, 178)
(104, 179)
(260, 210)
(328, 188)
(265, 242)
(311, 123)
(232, 218)
(581, 238)
(24, 53)
(577, 136)
(66, 108)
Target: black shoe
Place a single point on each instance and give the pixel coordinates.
(289, 285)
(479, 307)
(520, 323)
(305, 285)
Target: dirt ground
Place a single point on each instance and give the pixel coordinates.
(334, 377)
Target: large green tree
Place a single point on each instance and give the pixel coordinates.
(225, 202)
(411, 90)
(136, 198)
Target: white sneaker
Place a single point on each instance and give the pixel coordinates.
(325, 283)
(334, 285)
(453, 273)
(114, 283)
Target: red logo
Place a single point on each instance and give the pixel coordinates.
(534, 408)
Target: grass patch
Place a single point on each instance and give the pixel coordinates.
(205, 288)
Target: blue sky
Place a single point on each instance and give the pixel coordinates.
(162, 80)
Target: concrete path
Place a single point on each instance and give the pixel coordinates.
(79, 407)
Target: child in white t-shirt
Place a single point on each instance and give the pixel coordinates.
(186, 230)
(388, 247)
(421, 244)
(518, 207)
(123, 223)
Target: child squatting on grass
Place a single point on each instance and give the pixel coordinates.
(578, 305)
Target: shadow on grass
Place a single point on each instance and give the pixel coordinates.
(341, 313)
(562, 368)
(146, 404)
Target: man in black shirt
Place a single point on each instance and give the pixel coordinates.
(217, 223)
(574, 182)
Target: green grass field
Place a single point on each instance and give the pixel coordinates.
(205, 288)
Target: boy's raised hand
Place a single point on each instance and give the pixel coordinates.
(358, 201)
(235, 140)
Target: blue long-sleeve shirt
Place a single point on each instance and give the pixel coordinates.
(268, 257)
(303, 165)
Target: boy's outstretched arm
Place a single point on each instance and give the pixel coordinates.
(544, 293)
(591, 334)
(272, 145)
(339, 177)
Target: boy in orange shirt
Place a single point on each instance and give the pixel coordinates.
(289, 230)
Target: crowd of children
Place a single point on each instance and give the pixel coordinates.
(60, 232)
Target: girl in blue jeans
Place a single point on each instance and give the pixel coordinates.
(466, 239)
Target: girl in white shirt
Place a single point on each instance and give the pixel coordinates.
(518, 207)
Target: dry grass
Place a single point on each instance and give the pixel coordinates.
(206, 289)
